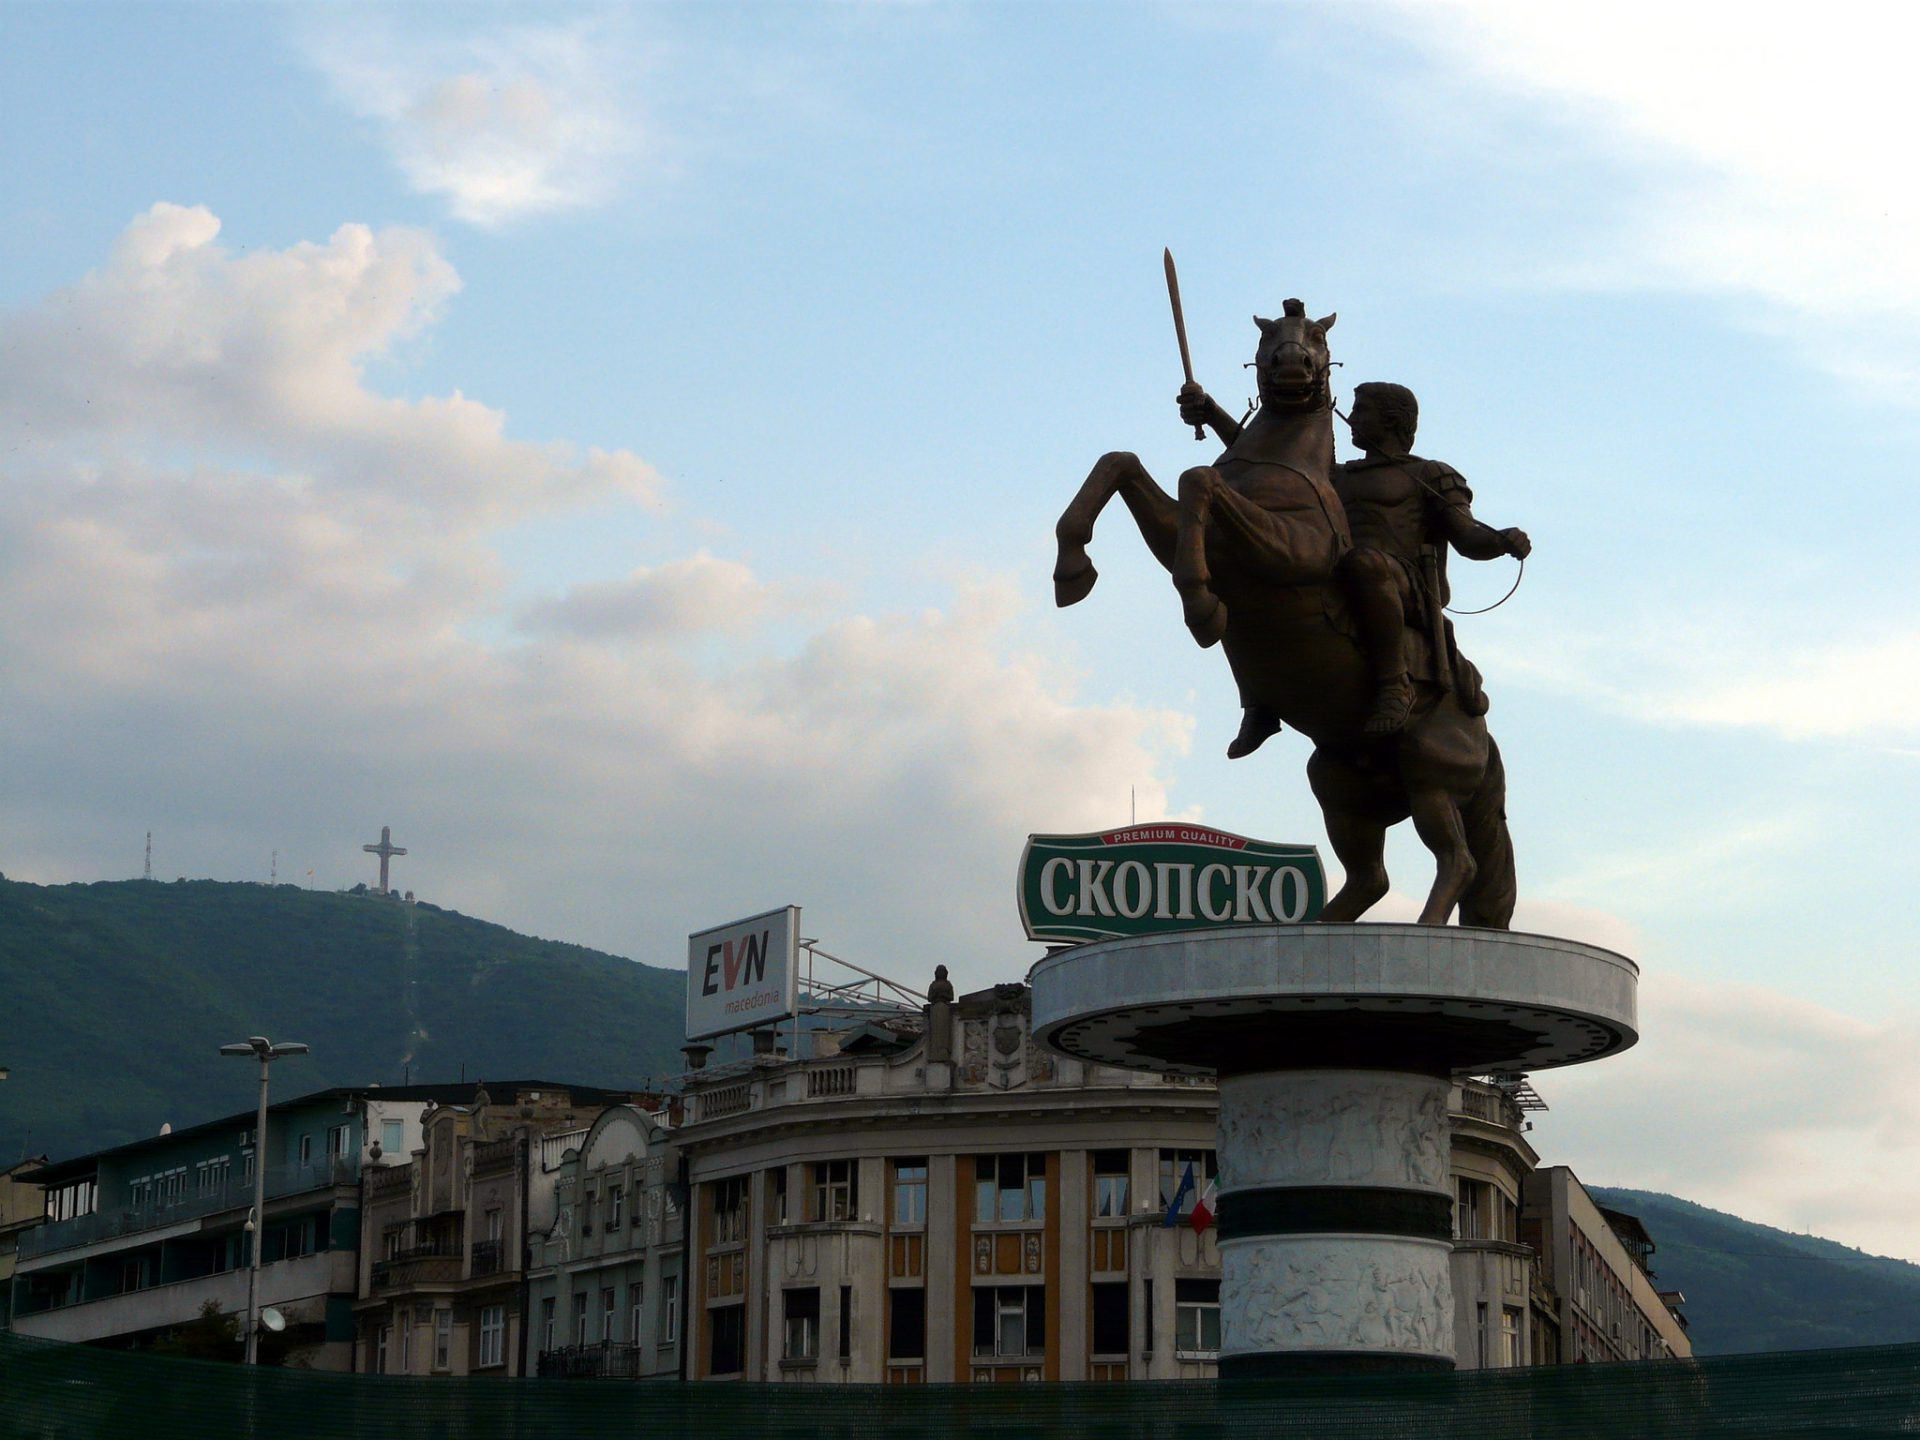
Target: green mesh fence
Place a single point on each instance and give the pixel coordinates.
(52, 1392)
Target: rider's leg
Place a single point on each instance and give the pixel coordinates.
(1371, 582)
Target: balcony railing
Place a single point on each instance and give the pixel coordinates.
(605, 1361)
(830, 1080)
(494, 1154)
(235, 1194)
(488, 1258)
(727, 1100)
(1491, 1104)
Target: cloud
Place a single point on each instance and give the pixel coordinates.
(177, 343)
(250, 596)
(505, 123)
(1754, 1102)
(1765, 158)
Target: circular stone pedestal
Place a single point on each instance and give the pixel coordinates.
(1335, 1046)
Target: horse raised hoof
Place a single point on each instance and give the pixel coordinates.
(1257, 726)
(1071, 585)
(1206, 617)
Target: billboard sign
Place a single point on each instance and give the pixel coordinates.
(743, 975)
(1169, 875)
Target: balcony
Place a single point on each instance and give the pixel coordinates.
(605, 1361)
(1489, 1103)
(235, 1194)
(489, 1258)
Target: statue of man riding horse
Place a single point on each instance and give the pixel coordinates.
(1325, 586)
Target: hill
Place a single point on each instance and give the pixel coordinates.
(1751, 1287)
(115, 998)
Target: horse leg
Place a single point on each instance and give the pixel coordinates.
(1206, 615)
(1488, 902)
(1356, 815)
(1437, 817)
(1153, 511)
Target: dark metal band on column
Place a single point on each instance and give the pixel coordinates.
(1335, 1210)
(1325, 1362)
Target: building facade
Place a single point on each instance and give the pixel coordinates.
(949, 1201)
(1605, 1303)
(139, 1237)
(23, 1207)
(607, 1286)
(441, 1270)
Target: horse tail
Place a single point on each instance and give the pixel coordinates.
(1489, 900)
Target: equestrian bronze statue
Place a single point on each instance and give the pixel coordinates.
(1325, 585)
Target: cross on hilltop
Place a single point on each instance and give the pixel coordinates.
(386, 850)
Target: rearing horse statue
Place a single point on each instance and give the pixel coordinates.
(1252, 542)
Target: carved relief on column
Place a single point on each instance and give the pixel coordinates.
(1333, 1127)
(1324, 1292)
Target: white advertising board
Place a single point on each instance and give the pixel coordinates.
(743, 975)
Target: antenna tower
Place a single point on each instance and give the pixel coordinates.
(273, 869)
(147, 873)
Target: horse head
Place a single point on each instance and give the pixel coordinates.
(1292, 364)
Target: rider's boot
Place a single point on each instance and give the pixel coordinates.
(1392, 703)
(1257, 724)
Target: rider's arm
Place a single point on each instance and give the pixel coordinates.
(1199, 408)
(1453, 503)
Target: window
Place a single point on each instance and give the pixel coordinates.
(496, 1223)
(1110, 1184)
(493, 1335)
(1471, 1214)
(907, 1325)
(1173, 1169)
(1509, 1336)
(727, 1325)
(1110, 1319)
(669, 1309)
(777, 1194)
(393, 1136)
(607, 1313)
(1009, 1320)
(910, 1192)
(1146, 1316)
(1196, 1316)
(443, 1339)
(1010, 1187)
(139, 1194)
(380, 1339)
(394, 1238)
(835, 1193)
(579, 1336)
(846, 1323)
(246, 1165)
(406, 1345)
(729, 1209)
(337, 1138)
(306, 1149)
(636, 1292)
(615, 1195)
(546, 1323)
(800, 1324)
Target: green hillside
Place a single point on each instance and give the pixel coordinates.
(115, 997)
(1750, 1287)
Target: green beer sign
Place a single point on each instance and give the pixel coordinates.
(1147, 879)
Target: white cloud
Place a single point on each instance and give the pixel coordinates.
(248, 595)
(508, 122)
(1768, 152)
(1754, 1102)
(178, 343)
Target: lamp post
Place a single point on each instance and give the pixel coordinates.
(259, 1047)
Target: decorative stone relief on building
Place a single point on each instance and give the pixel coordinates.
(983, 1255)
(1032, 1249)
(973, 1052)
(1342, 1129)
(1337, 1294)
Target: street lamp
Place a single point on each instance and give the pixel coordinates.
(259, 1047)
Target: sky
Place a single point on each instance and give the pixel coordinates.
(618, 447)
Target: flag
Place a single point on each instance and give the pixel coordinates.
(1179, 1198)
(1202, 1215)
